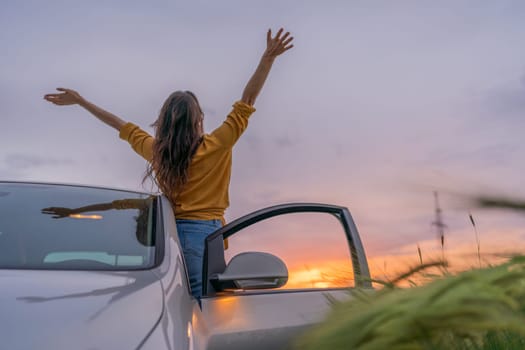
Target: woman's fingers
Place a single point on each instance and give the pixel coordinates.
(58, 100)
(278, 40)
(285, 36)
(55, 95)
(286, 42)
(52, 95)
(278, 34)
(52, 98)
(287, 48)
(278, 44)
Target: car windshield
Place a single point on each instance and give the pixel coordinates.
(59, 227)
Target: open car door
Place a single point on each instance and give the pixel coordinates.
(284, 266)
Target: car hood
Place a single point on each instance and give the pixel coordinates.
(77, 309)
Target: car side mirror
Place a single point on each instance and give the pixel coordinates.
(251, 270)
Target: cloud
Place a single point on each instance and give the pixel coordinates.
(9, 174)
(28, 161)
(284, 141)
(507, 102)
(489, 155)
(209, 111)
(254, 141)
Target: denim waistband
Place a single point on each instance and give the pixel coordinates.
(199, 221)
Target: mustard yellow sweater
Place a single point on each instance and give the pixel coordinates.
(205, 195)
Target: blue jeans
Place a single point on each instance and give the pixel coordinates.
(192, 234)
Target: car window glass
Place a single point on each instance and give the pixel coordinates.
(313, 246)
(70, 227)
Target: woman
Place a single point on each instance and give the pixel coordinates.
(191, 168)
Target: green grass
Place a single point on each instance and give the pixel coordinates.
(478, 309)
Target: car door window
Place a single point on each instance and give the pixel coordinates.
(313, 246)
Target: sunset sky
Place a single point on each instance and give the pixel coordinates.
(378, 104)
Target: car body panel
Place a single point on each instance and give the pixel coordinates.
(77, 309)
(269, 320)
(172, 329)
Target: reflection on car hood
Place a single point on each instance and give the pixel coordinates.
(77, 309)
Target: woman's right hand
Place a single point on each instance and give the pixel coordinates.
(67, 97)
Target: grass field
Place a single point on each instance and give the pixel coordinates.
(478, 309)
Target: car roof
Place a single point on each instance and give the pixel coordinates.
(73, 185)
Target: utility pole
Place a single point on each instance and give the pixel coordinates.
(438, 223)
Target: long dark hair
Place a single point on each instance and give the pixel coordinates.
(177, 137)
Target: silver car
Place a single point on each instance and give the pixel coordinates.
(95, 268)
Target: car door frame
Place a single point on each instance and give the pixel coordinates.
(214, 260)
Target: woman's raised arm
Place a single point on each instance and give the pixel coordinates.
(274, 47)
(71, 97)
